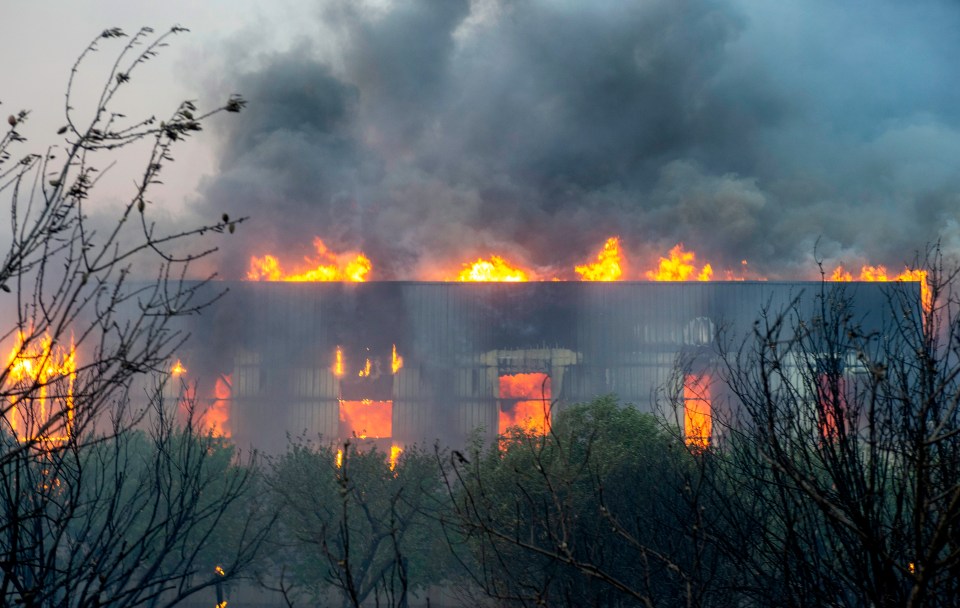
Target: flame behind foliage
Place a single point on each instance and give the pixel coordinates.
(39, 386)
(216, 418)
(395, 451)
(178, 369)
(697, 411)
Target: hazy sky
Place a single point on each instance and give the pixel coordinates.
(424, 131)
(39, 42)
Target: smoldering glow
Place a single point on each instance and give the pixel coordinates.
(40, 383)
(366, 419)
(697, 410)
(524, 403)
(324, 266)
(607, 267)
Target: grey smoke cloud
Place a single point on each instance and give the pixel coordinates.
(440, 131)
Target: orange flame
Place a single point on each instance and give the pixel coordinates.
(339, 459)
(338, 362)
(531, 410)
(40, 383)
(878, 274)
(395, 451)
(697, 408)
(830, 405)
(365, 372)
(495, 269)
(327, 266)
(680, 267)
(217, 417)
(366, 418)
(178, 369)
(608, 264)
(396, 361)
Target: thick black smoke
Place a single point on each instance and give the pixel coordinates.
(746, 129)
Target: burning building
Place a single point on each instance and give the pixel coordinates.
(401, 362)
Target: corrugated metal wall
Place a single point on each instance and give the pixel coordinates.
(279, 340)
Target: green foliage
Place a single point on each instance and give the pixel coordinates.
(361, 529)
(599, 511)
(104, 502)
(844, 455)
(127, 518)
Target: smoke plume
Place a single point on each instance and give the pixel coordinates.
(426, 133)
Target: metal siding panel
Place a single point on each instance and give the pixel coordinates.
(628, 335)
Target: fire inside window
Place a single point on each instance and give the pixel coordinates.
(217, 416)
(697, 408)
(364, 412)
(212, 411)
(366, 418)
(525, 403)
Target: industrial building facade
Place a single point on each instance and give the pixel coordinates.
(405, 362)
